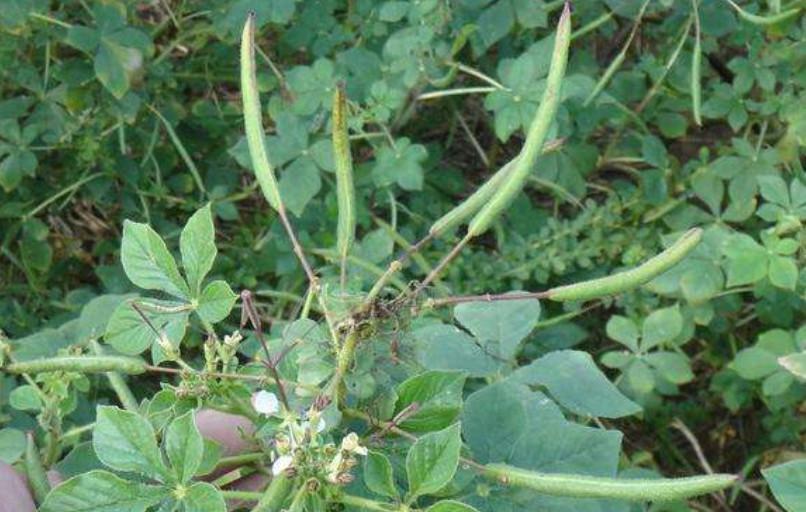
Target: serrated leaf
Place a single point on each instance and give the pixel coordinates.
(197, 246)
(101, 491)
(147, 262)
(184, 446)
(432, 461)
(125, 441)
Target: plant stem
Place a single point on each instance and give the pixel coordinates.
(343, 362)
(275, 494)
(442, 264)
(366, 503)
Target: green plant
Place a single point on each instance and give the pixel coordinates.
(381, 365)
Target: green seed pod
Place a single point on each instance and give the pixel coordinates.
(632, 278)
(37, 478)
(696, 69)
(345, 190)
(253, 119)
(83, 364)
(582, 486)
(536, 135)
(482, 195)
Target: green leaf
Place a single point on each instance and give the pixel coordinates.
(672, 366)
(25, 398)
(82, 38)
(147, 262)
(184, 446)
(747, 260)
(438, 398)
(12, 445)
(101, 491)
(378, 475)
(505, 322)
(754, 363)
(125, 441)
(216, 302)
(661, 326)
(444, 347)
(212, 454)
(111, 66)
(493, 420)
(432, 461)
(450, 506)
(783, 272)
(129, 334)
(777, 383)
(299, 183)
(788, 484)
(639, 377)
(623, 330)
(197, 245)
(573, 380)
(401, 164)
(203, 497)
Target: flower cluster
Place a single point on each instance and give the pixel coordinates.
(297, 445)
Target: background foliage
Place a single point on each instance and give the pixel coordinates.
(127, 110)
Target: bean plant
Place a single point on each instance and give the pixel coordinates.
(340, 415)
(387, 395)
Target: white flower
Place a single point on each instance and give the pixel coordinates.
(350, 444)
(281, 463)
(265, 403)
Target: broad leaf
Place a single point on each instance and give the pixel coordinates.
(125, 441)
(505, 322)
(432, 461)
(12, 445)
(788, 484)
(444, 347)
(216, 302)
(197, 245)
(101, 491)
(184, 446)
(129, 334)
(378, 475)
(147, 262)
(450, 506)
(203, 497)
(573, 379)
(438, 398)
